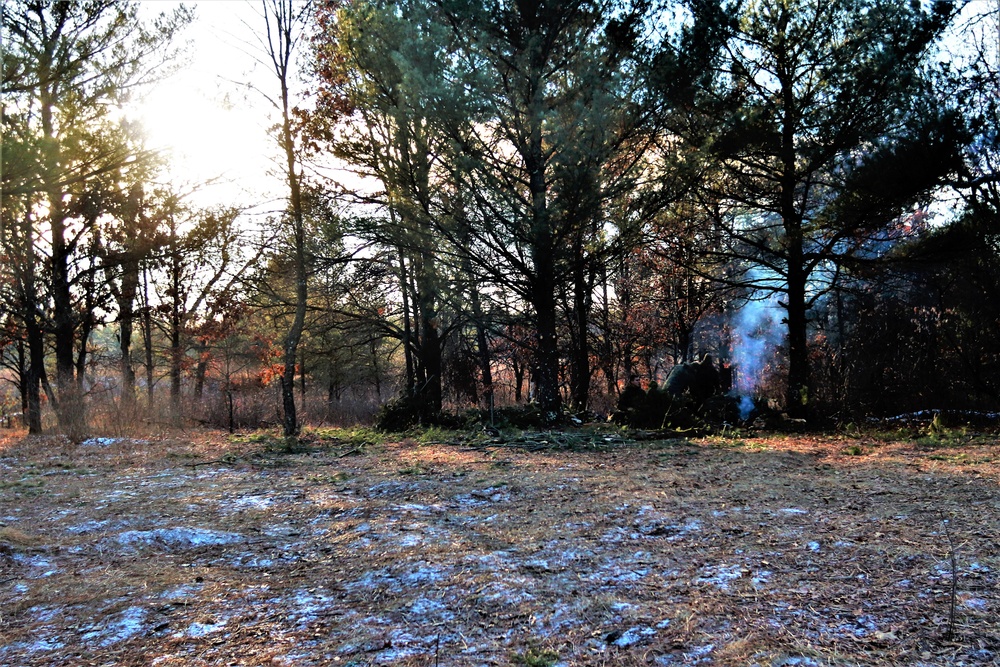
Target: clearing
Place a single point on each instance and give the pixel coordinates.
(580, 548)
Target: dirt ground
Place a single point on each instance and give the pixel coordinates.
(586, 548)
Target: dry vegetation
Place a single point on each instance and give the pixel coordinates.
(584, 548)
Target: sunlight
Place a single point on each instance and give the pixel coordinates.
(206, 138)
(207, 118)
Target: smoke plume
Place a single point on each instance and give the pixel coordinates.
(757, 333)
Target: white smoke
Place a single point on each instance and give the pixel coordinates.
(757, 334)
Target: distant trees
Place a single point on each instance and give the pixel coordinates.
(503, 136)
(65, 65)
(823, 126)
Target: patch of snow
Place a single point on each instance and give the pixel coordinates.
(250, 503)
(308, 605)
(417, 508)
(87, 527)
(428, 609)
(721, 576)
(563, 617)
(428, 574)
(633, 636)
(651, 523)
(198, 629)
(496, 562)
(760, 579)
(410, 540)
(796, 661)
(974, 603)
(37, 646)
(813, 546)
(178, 537)
(863, 626)
(700, 653)
(181, 592)
(375, 579)
(118, 628)
(619, 576)
(482, 497)
(282, 530)
(100, 442)
(392, 488)
(31, 560)
(403, 645)
(36, 562)
(500, 593)
(793, 510)
(44, 614)
(252, 560)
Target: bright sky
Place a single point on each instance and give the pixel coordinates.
(211, 124)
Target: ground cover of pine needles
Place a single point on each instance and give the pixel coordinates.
(585, 547)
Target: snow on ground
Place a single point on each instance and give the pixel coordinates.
(178, 537)
(182, 565)
(117, 628)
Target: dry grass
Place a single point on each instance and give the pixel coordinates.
(545, 549)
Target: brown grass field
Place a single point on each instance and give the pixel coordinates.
(589, 547)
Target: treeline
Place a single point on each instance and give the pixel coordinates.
(552, 201)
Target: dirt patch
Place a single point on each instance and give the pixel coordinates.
(589, 550)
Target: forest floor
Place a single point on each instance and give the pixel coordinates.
(581, 548)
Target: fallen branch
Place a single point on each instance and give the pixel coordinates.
(226, 460)
(357, 450)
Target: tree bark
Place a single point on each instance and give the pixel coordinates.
(147, 337)
(797, 396)
(72, 418)
(580, 369)
(430, 392)
(280, 46)
(543, 286)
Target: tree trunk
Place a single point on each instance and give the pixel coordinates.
(376, 372)
(518, 370)
(280, 21)
(176, 322)
(147, 337)
(430, 392)
(483, 348)
(546, 363)
(580, 368)
(72, 419)
(25, 268)
(126, 322)
(407, 327)
(86, 328)
(543, 288)
(201, 349)
(33, 377)
(797, 396)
